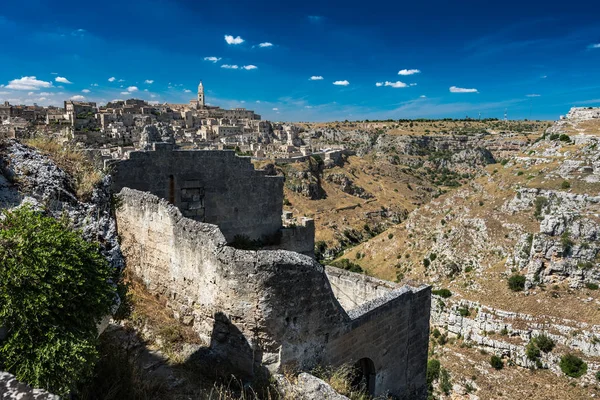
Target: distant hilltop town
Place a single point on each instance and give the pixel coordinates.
(132, 123)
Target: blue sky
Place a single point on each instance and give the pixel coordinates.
(376, 59)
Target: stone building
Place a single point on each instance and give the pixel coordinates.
(269, 309)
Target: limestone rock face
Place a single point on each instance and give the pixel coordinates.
(11, 389)
(307, 387)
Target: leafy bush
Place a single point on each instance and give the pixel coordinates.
(464, 311)
(54, 289)
(433, 371)
(567, 242)
(532, 351)
(496, 362)
(445, 293)
(572, 366)
(516, 283)
(445, 384)
(540, 203)
(591, 286)
(544, 343)
(426, 262)
(348, 265)
(564, 138)
(598, 376)
(432, 256)
(565, 185)
(390, 236)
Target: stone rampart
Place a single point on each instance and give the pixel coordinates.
(272, 308)
(210, 186)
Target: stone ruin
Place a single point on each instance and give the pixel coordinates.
(268, 309)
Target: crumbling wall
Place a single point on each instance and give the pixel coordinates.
(216, 187)
(272, 308)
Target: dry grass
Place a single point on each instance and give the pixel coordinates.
(74, 162)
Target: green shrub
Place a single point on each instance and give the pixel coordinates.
(464, 311)
(426, 262)
(390, 236)
(433, 371)
(598, 375)
(516, 283)
(432, 256)
(567, 242)
(544, 343)
(564, 138)
(572, 366)
(496, 362)
(540, 203)
(54, 289)
(591, 286)
(445, 293)
(445, 384)
(565, 185)
(348, 265)
(532, 351)
(436, 333)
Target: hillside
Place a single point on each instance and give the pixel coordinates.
(535, 216)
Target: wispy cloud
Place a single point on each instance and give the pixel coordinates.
(62, 79)
(249, 67)
(132, 89)
(396, 85)
(454, 89)
(233, 40)
(533, 95)
(316, 78)
(112, 79)
(125, 93)
(212, 59)
(28, 83)
(94, 85)
(85, 91)
(266, 44)
(149, 81)
(594, 46)
(78, 97)
(227, 66)
(409, 72)
(187, 91)
(341, 83)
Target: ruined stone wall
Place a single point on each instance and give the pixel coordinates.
(216, 187)
(390, 326)
(272, 307)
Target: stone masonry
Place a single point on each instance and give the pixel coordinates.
(265, 309)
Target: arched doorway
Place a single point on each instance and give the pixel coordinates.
(364, 375)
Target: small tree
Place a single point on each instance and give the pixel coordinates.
(496, 362)
(516, 282)
(544, 343)
(572, 366)
(54, 289)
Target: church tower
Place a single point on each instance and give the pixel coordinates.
(200, 95)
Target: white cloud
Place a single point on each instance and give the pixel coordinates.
(454, 89)
(265, 44)
(187, 91)
(85, 91)
(28, 83)
(396, 85)
(258, 101)
(112, 79)
(125, 93)
(121, 80)
(78, 98)
(46, 94)
(153, 95)
(227, 66)
(62, 79)
(233, 40)
(132, 89)
(145, 90)
(53, 73)
(533, 95)
(412, 84)
(544, 76)
(212, 59)
(316, 78)
(250, 67)
(94, 84)
(275, 109)
(341, 83)
(149, 81)
(594, 46)
(423, 96)
(30, 93)
(308, 106)
(408, 72)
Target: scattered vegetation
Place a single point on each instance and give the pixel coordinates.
(544, 342)
(445, 293)
(74, 162)
(348, 265)
(54, 290)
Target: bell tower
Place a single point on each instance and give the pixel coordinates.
(200, 95)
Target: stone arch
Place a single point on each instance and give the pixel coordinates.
(364, 375)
